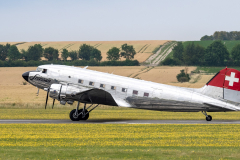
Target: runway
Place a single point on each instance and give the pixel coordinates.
(109, 121)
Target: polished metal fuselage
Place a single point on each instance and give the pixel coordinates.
(150, 95)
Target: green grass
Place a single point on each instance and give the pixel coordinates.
(91, 152)
(114, 113)
(119, 141)
(214, 69)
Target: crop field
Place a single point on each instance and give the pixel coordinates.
(143, 48)
(119, 141)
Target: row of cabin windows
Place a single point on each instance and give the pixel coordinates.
(135, 92)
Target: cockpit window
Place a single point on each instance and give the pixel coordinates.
(39, 69)
(44, 71)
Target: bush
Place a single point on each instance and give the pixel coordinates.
(183, 77)
(172, 62)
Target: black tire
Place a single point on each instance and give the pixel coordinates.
(73, 117)
(209, 118)
(86, 116)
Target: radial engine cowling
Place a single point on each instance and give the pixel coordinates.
(55, 91)
(63, 92)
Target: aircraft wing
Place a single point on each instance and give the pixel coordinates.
(82, 94)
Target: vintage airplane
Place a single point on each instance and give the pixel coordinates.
(68, 84)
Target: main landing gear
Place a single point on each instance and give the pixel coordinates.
(208, 117)
(82, 114)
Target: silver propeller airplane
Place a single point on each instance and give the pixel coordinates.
(68, 84)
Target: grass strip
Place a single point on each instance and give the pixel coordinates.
(115, 141)
(114, 114)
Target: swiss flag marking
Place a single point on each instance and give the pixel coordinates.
(226, 78)
(231, 79)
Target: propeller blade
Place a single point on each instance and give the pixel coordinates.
(53, 103)
(46, 99)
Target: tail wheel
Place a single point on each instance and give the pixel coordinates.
(209, 118)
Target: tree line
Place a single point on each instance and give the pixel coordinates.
(222, 35)
(87, 54)
(216, 54)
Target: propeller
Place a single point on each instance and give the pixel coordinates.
(53, 103)
(47, 98)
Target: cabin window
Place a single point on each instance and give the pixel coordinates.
(102, 85)
(135, 92)
(44, 71)
(91, 83)
(124, 89)
(113, 88)
(80, 81)
(146, 94)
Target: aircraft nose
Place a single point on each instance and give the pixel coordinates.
(25, 76)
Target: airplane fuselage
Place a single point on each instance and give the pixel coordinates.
(122, 91)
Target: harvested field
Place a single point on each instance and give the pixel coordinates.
(14, 91)
(163, 74)
(143, 48)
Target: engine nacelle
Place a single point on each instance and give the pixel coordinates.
(55, 91)
(63, 92)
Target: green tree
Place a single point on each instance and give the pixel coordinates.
(85, 52)
(65, 54)
(182, 76)
(198, 56)
(128, 51)
(206, 38)
(13, 53)
(4, 51)
(73, 55)
(34, 53)
(236, 52)
(188, 53)
(178, 51)
(3, 54)
(23, 53)
(216, 53)
(50, 53)
(96, 54)
(113, 54)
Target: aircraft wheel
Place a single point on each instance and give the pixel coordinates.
(74, 117)
(86, 116)
(209, 118)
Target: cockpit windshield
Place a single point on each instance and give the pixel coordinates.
(39, 69)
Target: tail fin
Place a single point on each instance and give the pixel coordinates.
(225, 84)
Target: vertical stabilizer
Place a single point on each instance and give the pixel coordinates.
(225, 84)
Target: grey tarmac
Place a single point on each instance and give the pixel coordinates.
(120, 121)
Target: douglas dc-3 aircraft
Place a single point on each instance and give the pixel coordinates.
(68, 84)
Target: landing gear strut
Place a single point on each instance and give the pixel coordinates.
(82, 114)
(208, 117)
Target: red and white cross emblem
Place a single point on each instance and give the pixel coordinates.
(231, 79)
